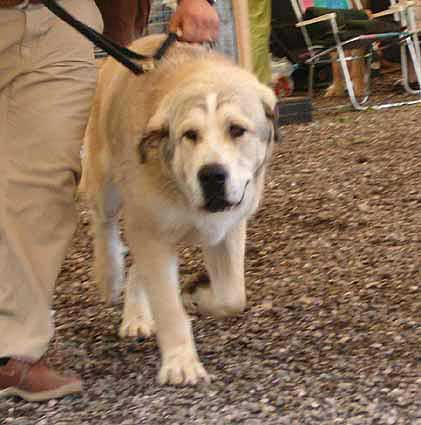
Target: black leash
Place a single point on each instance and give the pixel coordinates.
(122, 54)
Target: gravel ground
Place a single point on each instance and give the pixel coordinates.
(332, 332)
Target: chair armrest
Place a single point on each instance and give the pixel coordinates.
(327, 17)
(387, 12)
(393, 9)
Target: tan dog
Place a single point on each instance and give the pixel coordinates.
(356, 67)
(183, 149)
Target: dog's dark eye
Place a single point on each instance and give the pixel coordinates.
(236, 131)
(192, 135)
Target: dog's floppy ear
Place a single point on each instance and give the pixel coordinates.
(270, 107)
(150, 139)
(156, 130)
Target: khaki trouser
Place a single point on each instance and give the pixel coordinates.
(47, 79)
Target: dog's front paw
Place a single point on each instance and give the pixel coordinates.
(335, 90)
(199, 298)
(182, 368)
(197, 295)
(137, 327)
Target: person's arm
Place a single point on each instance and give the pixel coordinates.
(196, 20)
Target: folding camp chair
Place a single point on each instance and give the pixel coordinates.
(341, 38)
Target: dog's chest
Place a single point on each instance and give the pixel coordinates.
(194, 227)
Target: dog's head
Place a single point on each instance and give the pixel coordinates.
(215, 134)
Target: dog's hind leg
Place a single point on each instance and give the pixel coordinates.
(137, 315)
(109, 250)
(226, 295)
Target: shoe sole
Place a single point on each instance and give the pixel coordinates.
(70, 389)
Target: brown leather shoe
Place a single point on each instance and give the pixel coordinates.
(35, 381)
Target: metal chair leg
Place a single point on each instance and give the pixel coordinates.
(311, 80)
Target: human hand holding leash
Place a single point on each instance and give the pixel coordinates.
(196, 21)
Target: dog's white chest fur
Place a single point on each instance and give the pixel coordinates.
(181, 224)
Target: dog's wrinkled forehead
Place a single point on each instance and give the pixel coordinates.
(205, 102)
(211, 100)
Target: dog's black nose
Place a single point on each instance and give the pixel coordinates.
(212, 178)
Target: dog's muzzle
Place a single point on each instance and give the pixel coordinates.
(212, 178)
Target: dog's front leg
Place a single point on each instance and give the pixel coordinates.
(156, 265)
(226, 294)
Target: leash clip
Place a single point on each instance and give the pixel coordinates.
(148, 65)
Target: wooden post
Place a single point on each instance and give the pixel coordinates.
(242, 31)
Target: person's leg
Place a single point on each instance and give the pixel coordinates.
(44, 108)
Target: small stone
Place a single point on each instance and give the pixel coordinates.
(364, 207)
(306, 300)
(302, 392)
(266, 306)
(345, 385)
(52, 403)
